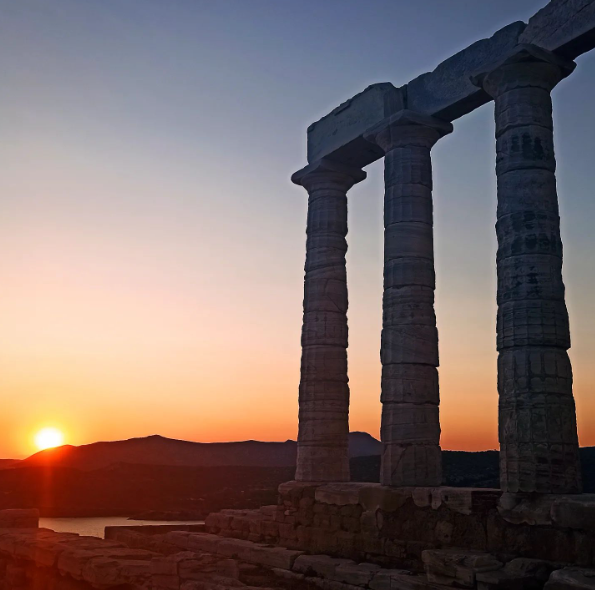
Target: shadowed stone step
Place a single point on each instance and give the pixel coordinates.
(571, 578)
(452, 567)
(256, 553)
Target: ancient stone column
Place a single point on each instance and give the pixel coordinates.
(537, 420)
(323, 438)
(410, 430)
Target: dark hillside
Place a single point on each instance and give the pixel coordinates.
(158, 450)
(129, 488)
(465, 469)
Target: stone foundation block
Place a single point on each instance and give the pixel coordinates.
(575, 512)
(339, 494)
(105, 571)
(322, 566)
(571, 579)
(194, 542)
(501, 580)
(277, 557)
(395, 579)
(452, 567)
(519, 574)
(358, 574)
(384, 498)
(294, 490)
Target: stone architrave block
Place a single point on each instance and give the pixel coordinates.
(566, 27)
(341, 131)
(447, 92)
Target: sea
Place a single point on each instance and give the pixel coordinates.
(95, 526)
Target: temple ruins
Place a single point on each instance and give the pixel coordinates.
(408, 532)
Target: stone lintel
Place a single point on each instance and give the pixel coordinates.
(565, 28)
(568, 28)
(525, 53)
(340, 133)
(447, 92)
(327, 166)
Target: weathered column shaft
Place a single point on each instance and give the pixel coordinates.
(323, 438)
(410, 429)
(537, 420)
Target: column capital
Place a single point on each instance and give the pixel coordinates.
(325, 170)
(526, 66)
(407, 128)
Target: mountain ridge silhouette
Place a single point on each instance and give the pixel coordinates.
(160, 450)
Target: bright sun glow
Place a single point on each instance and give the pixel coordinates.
(48, 438)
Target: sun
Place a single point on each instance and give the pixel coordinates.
(47, 438)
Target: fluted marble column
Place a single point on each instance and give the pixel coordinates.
(410, 430)
(323, 438)
(537, 420)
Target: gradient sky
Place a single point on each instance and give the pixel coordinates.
(152, 245)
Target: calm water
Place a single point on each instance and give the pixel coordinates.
(95, 526)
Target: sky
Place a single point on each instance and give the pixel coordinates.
(152, 244)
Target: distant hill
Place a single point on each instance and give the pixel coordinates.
(158, 450)
(118, 478)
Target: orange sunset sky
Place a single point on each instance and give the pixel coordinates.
(152, 245)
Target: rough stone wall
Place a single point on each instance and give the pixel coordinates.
(390, 526)
(40, 559)
(203, 561)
